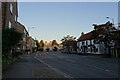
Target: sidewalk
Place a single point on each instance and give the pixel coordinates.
(29, 67)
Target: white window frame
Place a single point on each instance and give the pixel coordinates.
(9, 25)
(24, 39)
(11, 7)
(24, 32)
(88, 42)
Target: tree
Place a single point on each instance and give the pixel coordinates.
(103, 33)
(54, 42)
(10, 39)
(41, 43)
(37, 43)
(69, 42)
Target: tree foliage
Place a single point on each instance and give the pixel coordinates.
(54, 42)
(41, 43)
(69, 42)
(10, 38)
(103, 33)
(37, 43)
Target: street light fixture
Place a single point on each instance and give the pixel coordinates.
(112, 20)
(29, 28)
(29, 35)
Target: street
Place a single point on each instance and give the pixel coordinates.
(62, 65)
(59, 39)
(80, 66)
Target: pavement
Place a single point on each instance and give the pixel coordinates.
(29, 67)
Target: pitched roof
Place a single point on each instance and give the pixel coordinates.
(86, 36)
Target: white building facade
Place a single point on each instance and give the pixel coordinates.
(86, 44)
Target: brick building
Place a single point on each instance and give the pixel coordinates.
(9, 14)
(32, 44)
(23, 43)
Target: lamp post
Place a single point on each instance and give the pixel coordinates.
(29, 28)
(112, 20)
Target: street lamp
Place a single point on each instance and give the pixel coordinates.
(112, 20)
(28, 36)
(29, 28)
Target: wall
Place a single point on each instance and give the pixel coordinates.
(90, 48)
(7, 15)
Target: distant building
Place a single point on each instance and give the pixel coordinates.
(9, 14)
(32, 44)
(23, 43)
(52, 47)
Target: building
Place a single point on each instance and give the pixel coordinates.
(23, 43)
(116, 44)
(31, 44)
(9, 14)
(52, 47)
(0, 15)
(89, 44)
(86, 44)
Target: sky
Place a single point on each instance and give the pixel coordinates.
(54, 20)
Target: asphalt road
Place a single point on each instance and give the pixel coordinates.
(80, 66)
(29, 67)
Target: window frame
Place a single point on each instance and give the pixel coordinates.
(9, 25)
(11, 7)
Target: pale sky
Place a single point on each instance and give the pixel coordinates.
(53, 20)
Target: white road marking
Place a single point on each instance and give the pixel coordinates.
(70, 60)
(99, 68)
(107, 70)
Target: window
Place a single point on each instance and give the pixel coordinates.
(82, 43)
(77, 43)
(86, 42)
(24, 39)
(15, 18)
(24, 32)
(9, 24)
(92, 41)
(11, 7)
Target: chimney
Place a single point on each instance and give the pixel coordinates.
(82, 33)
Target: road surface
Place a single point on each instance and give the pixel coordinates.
(80, 66)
